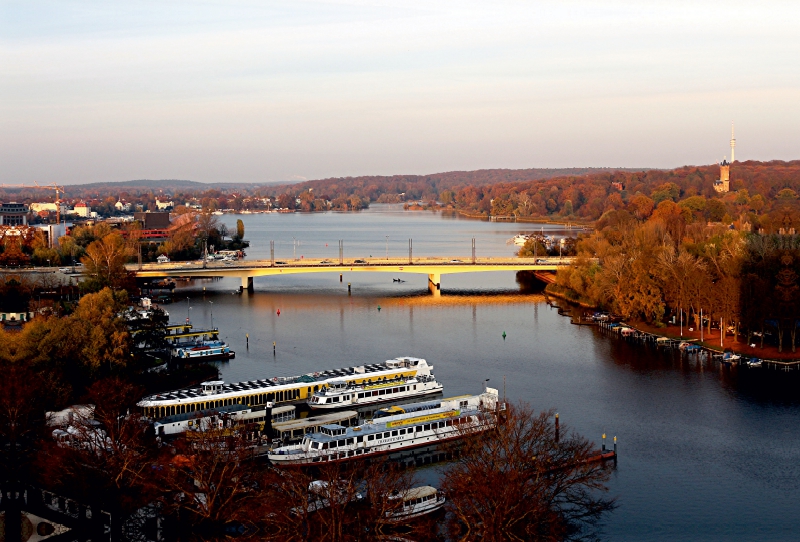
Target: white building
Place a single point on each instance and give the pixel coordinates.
(49, 207)
(81, 209)
(164, 205)
(122, 207)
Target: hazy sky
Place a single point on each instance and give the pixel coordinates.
(264, 91)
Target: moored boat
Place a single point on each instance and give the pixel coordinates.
(520, 239)
(450, 419)
(277, 390)
(417, 501)
(206, 351)
(341, 394)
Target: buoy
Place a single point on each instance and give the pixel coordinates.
(379, 308)
(504, 335)
(279, 312)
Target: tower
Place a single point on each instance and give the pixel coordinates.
(724, 183)
(733, 143)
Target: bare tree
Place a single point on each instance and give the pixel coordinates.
(523, 483)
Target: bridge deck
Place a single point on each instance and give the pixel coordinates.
(425, 266)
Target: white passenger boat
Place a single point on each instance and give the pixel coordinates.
(277, 390)
(437, 422)
(520, 239)
(417, 501)
(341, 394)
(206, 351)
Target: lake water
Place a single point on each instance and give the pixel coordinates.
(706, 452)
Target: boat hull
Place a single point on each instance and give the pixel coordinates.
(308, 459)
(224, 356)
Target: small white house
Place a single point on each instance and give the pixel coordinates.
(163, 259)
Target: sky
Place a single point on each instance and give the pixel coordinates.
(260, 91)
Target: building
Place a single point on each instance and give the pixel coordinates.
(122, 207)
(723, 184)
(82, 209)
(49, 208)
(13, 214)
(164, 205)
(152, 221)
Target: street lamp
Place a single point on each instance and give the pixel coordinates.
(387, 247)
(212, 315)
(294, 248)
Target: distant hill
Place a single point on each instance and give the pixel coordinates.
(451, 179)
(170, 185)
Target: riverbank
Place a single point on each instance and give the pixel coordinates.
(560, 292)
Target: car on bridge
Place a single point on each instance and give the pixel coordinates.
(359, 261)
(280, 263)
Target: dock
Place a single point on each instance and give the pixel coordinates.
(632, 334)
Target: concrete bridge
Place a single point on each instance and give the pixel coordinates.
(433, 267)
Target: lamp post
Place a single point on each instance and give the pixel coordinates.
(187, 311)
(294, 248)
(387, 247)
(212, 315)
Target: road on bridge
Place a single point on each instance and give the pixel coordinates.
(433, 267)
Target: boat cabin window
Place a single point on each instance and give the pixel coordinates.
(394, 433)
(332, 430)
(370, 437)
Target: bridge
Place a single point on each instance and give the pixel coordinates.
(433, 267)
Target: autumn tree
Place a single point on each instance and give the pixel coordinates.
(342, 502)
(105, 263)
(110, 461)
(525, 483)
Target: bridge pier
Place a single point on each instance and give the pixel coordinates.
(247, 284)
(435, 283)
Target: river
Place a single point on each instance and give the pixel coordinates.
(706, 452)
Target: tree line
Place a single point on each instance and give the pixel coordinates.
(663, 262)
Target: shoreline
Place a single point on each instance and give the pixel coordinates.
(641, 332)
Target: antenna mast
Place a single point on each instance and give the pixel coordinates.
(733, 142)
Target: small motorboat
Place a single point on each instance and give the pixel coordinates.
(417, 501)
